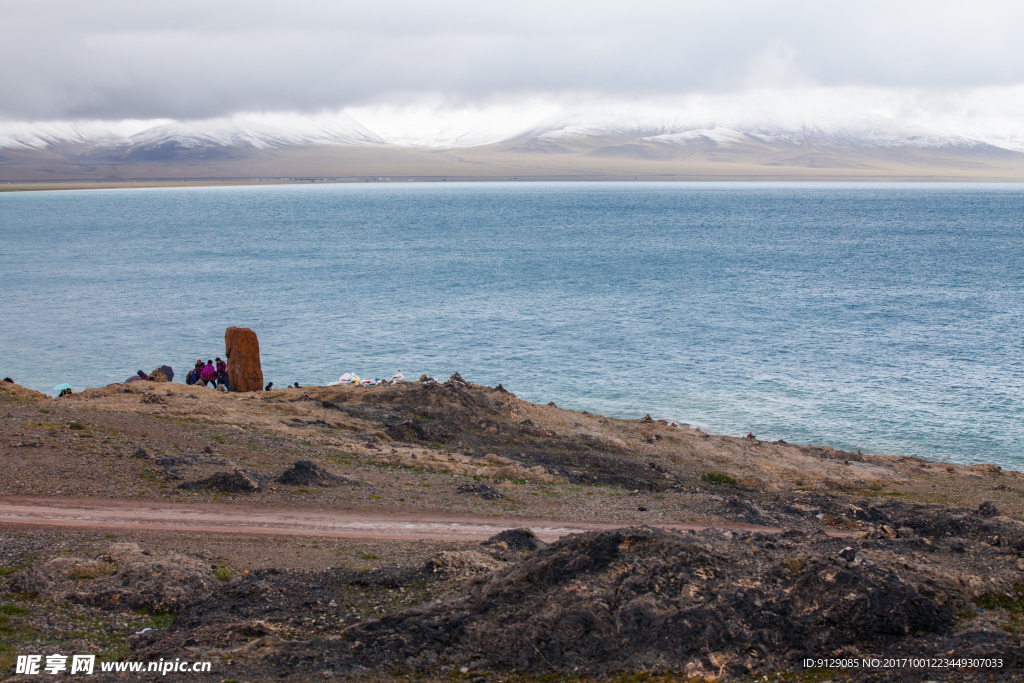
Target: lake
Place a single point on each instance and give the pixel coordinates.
(887, 318)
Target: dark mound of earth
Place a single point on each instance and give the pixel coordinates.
(707, 604)
(308, 473)
(515, 539)
(227, 482)
(484, 491)
(512, 544)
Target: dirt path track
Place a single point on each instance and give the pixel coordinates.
(96, 513)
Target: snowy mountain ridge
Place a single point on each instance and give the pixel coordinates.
(262, 131)
(161, 140)
(268, 131)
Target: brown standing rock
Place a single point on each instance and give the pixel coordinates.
(243, 352)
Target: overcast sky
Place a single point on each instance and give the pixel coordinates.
(111, 59)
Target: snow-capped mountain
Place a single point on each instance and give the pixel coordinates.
(243, 131)
(534, 142)
(269, 131)
(852, 131)
(258, 132)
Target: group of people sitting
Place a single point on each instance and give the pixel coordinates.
(208, 373)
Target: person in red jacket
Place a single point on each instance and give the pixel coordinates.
(208, 374)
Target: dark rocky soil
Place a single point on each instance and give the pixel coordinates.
(735, 606)
(873, 556)
(307, 473)
(703, 604)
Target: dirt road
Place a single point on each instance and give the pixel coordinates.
(94, 513)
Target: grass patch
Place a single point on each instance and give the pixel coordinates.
(158, 620)
(793, 565)
(223, 572)
(966, 613)
(345, 458)
(13, 610)
(876, 487)
(85, 572)
(1014, 627)
(1013, 605)
(718, 479)
(78, 425)
(370, 556)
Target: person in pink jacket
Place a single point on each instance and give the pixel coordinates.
(208, 374)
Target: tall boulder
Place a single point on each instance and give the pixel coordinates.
(243, 353)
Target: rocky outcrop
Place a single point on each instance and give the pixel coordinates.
(482, 490)
(125, 578)
(226, 482)
(243, 353)
(308, 473)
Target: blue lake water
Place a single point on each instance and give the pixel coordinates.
(882, 317)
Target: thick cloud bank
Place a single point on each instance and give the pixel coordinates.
(850, 115)
(116, 60)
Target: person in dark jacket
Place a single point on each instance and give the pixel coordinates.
(193, 375)
(222, 374)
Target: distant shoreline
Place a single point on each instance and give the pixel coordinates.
(50, 186)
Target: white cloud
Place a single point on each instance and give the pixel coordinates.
(881, 115)
(110, 59)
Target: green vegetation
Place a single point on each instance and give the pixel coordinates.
(84, 572)
(1013, 605)
(13, 610)
(794, 565)
(966, 613)
(223, 572)
(718, 479)
(157, 620)
(13, 632)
